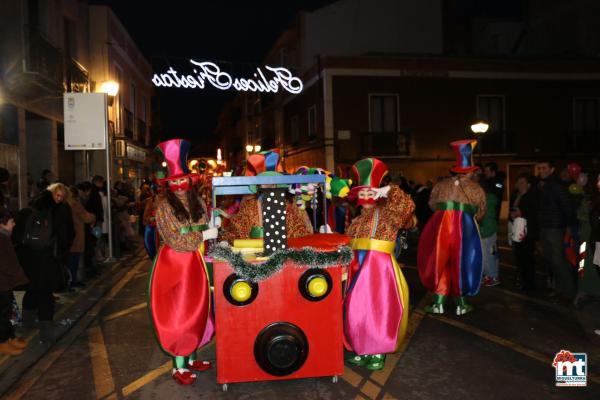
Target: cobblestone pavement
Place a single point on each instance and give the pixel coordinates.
(503, 349)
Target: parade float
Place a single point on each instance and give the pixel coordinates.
(278, 301)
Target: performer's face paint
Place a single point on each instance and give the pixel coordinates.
(180, 185)
(366, 198)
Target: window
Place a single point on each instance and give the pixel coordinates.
(144, 109)
(586, 113)
(586, 124)
(118, 102)
(312, 122)
(132, 99)
(497, 140)
(294, 129)
(383, 115)
(491, 109)
(132, 102)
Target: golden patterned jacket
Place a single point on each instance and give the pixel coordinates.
(249, 216)
(460, 189)
(393, 214)
(175, 233)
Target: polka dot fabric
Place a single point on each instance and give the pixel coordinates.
(274, 220)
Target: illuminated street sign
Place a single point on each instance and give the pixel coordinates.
(270, 81)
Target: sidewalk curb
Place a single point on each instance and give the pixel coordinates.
(16, 368)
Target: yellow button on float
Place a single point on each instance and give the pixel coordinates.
(317, 287)
(241, 291)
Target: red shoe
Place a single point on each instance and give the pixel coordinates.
(199, 365)
(492, 282)
(184, 376)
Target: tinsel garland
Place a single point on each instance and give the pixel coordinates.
(305, 256)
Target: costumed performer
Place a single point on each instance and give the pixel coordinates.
(247, 222)
(449, 256)
(179, 292)
(376, 300)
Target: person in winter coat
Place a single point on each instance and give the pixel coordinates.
(80, 218)
(35, 237)
(11, 276)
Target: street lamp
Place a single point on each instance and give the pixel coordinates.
(257, 148)
(479, 128)
(249, 148)
(111, 88)
(164, 164)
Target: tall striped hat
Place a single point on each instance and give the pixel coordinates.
(464, 156)
(175, 152)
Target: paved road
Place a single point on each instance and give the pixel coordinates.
(501, 350)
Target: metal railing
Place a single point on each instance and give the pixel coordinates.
(498, 142)
(385, 144)
(584, 141)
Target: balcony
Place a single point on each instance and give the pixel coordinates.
(128, 120)
(76, 77)
(42, 68)
(385, 144)
(584, 141)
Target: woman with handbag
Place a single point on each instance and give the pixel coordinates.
(525, 206)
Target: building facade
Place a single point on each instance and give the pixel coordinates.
(401, 80)
(116, 57)
(48, 49)
(44, 53)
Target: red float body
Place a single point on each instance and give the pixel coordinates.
(278, 300)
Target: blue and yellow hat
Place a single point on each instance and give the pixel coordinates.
(464, 156)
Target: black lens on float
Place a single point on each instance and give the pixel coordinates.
(281, 348)
(231, 287)
(318, 274)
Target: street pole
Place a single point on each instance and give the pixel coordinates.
(108, 183)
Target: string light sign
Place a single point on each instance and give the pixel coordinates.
(208, 73)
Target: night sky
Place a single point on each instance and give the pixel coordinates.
(234, 31)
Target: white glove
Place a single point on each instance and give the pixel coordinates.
(381, 192)
(325, 229)
(215, 221)
(210, 233)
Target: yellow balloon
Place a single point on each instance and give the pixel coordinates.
(241, 291)
(317, 287)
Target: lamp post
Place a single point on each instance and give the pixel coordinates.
(478, 129)
(110, 90)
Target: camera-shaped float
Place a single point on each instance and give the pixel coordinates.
(287, 326)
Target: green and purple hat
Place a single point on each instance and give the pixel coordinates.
(367, 174)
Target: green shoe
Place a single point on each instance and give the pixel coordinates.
(462, 307)
(359, 361)
(434, 309)
(437, 307)
(376, 362)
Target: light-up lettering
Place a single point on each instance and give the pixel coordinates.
(210, 73)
